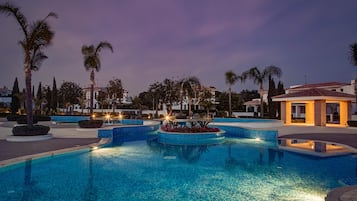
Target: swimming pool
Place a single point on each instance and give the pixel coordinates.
(238, 169)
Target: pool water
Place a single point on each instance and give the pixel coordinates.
(238, 169)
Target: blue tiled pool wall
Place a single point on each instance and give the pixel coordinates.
(266, 135)
(132, 121)
(190, 139)
(135, 133)
(69, 119)
(229, 120)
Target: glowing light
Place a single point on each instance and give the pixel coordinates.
(257, 139)
(120, 116)
(107, 116)
(95, 148)
(93, 116)
(167, 118)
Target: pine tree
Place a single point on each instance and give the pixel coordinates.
(15, 100)
(54, 97)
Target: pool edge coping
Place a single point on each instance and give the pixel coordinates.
(20, 159)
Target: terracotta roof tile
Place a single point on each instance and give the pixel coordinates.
(318, 85)
(315, 92)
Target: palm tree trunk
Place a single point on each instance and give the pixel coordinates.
(261, 93)
(28, 95)
(91, 92)
(230, 101)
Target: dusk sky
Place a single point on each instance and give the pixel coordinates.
(157, 39)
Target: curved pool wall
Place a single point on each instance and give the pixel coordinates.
(238, 132)
(134, 133)
(263, 129)
(69, 119)
(175, 138)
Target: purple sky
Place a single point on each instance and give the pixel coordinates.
(157, 39)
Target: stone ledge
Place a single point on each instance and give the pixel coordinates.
(12, 138)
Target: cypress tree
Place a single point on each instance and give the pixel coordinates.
(15, 100)
(48, 96)
(39, 92)
(280, 90)
(54, 97)
(272, 106)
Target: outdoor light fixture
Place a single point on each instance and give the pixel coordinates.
(93, 116)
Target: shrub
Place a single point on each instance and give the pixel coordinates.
(352, 123)
(13, 117)
(90, 123)
(30, 131)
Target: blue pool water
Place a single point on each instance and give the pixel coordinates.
(238, 169)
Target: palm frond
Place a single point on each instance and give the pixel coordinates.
(231, 77)
(10, 9)
(271, 71)
(37, 58)
(103, 45)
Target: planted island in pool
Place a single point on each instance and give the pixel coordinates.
(189, 131)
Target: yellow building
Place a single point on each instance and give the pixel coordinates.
(316, 107)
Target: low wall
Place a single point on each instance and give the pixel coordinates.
(266, 135)
(69, 119)
(133, 133)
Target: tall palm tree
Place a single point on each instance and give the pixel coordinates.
(37, 36)
(231, 78)
(259, 77)
(92, 62)
(353, 54)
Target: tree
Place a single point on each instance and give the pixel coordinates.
(188, 88)
(280, 90)
(259, 77)
(156, 92)
(37, 36)
(54, 97)
(205, 99)
(92, 62)
(231, 79)
(353, 55)
(272, 106)
(48, 96)
(15, 100)
(169, 93)
(69, 91)
(115, 92)
(137, 104)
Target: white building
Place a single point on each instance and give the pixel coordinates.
(109, 100)
(5, 96)
(195, 101)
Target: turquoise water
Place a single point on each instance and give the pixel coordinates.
(238, 169)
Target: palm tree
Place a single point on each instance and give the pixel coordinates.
(231, 78)
(259, 77)
(353, 52)
(92, 62)
(37, 36)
